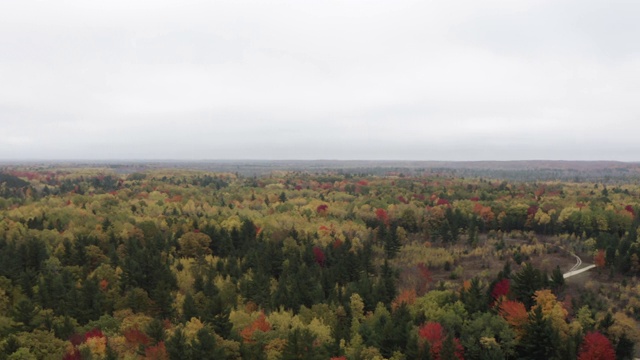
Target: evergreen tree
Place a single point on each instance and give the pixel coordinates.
(417, 349)
(111, 354)
(391, 242)
(252, 351)
(64, 330)
(505, 273)
(341, 330)
(386, 289)
(569, 348)
(10, 346)
(557, 278)
(24, 312)
(177, 346)
(163, 300)
(189, 308)
(606, 323)
(300, 345)
(221, 323)
(91, 301)
(395, 333)
(474, 299)
(540, 340)
(625, 348)
(198, 282)
(204, 347)
(155, 330)
(448, 351)
(526, 282)
(257, 289)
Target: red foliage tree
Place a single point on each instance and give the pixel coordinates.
(93, 333)
(459, 349)
(433, 333)
(382, 215)
(322, 209)
(136, 337)
(76, 339)
(443, 202)
(629, 208)
(500, 289)
(74, 354)
(596, 346)
(158, 352)
(319, 255)
(599, 259)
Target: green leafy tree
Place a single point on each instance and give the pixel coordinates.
(488, 336)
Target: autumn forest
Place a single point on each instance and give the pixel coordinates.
(178, 263)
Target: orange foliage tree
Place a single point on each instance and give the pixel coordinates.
(405, 297)
(515, 314)
(260, 323)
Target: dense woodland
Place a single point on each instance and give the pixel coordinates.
(180, 264)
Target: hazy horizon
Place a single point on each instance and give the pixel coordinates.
(249, 160)
(350, 80)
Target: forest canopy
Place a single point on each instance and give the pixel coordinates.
(192, 264)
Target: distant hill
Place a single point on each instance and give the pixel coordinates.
(516, 170)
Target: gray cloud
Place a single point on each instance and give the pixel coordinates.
(457, 80)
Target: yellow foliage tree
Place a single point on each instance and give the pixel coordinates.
(553, 310)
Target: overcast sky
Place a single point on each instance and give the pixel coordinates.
(414, 80)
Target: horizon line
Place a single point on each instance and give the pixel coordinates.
(143, 160)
